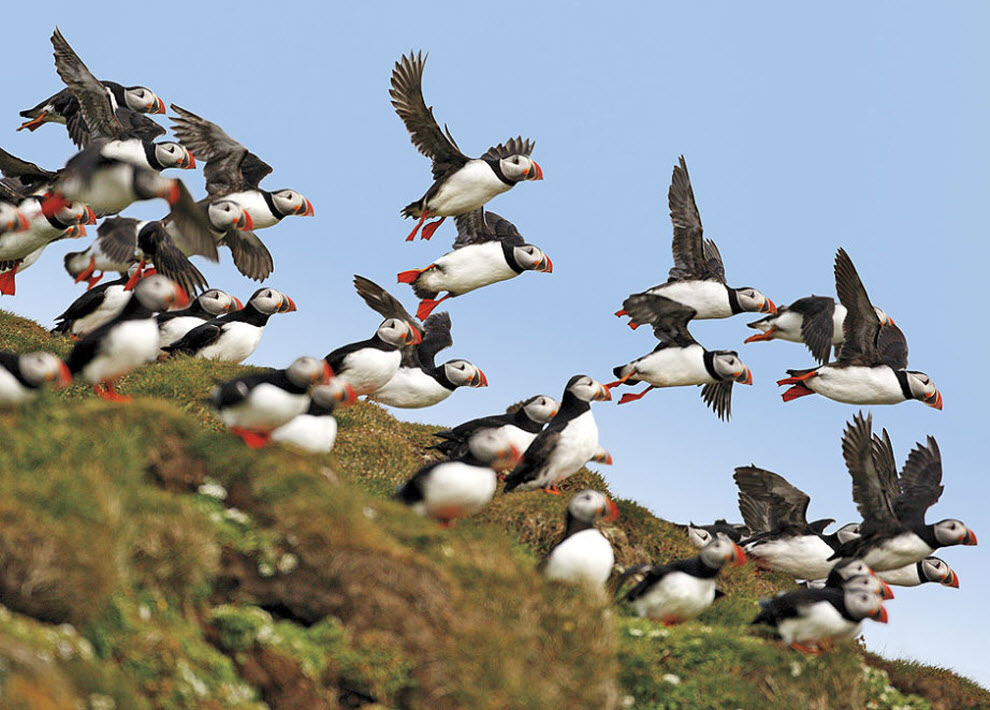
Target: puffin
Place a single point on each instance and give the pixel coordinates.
(568, 442)
(852, 574)
(460, 184)
(488, 249)
(11, 218)
(95, 307)
(679, 359)
(697, 279)
(679, 591)
(583, 556)
(810, 619)
(251, 406)
(871, 366)
(22, 375)
(701, 535)
(447, 490)
(894, 532)
(928, 570)
(782, 538)
(63, 105)
(315, 430)
(126, 342)
(517, 426)
(815, 321)
(210, 304)
(369, 364)
(232, 337)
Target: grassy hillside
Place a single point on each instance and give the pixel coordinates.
(150, 560)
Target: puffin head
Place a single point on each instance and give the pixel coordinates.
(532, 258)
(227, 214)
(143, 100)
(158, 293)
(174, 155)
(40, 367)
(590, 505)
(751, 300)
(728, 366)
(216, 302)
(953, 532)
(540, 408)
(517, 168)
(291, 202)
(923, 389)
(462, 373)
(587, 389)
(720, 552)
(862, 605)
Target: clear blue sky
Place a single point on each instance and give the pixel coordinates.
(805, 128)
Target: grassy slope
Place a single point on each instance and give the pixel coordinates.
(149, 559)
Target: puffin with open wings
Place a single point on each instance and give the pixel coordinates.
(460, 184)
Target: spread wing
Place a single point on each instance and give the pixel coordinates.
(862, 325)
(169, 261)
(921, 484)
(892, 347)
(27, 173)
(479, 226)
(407, 99)
(718, 396)
(193, 224)
(94, 101)
(436, 337)
(250, 255)
(688, 248)
(668, 318)
(513, 146)
(870, 463)
(117, 238)
(756, 513)
(384, 303)
(230, 167)
(788, 505)
(817, 327)
(134, 125)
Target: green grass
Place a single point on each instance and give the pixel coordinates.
(149, 559)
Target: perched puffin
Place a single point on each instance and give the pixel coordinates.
(315, 430)
(680, 591)
(568, 443)
(128, 341)
(701, 535)
(583, 555)
(460, 184)
(697, 279)
(369, 364)
(894, 532)
(871, 365)
(815, 321)
(679, 360)
(930, 569)
(232, 337)
(446, 490)
(210, 304)
(518, 426)
(95, 307)
(782, 538)
(23, 375)
(810, 619)
(251, 406)
(488, 249)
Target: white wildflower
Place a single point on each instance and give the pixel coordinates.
(213, 490)
(671, 678)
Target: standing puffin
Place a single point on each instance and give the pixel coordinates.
(369, 364)
(251, 406)
(568, 443)
(930, 569)
(583, 555)
(697, 279)
(680, 591)
(232, 337)
(488, 249)
(210, 304)
(894, 532)
(871, 365)
(23, 375)
(679, 360)
(460, 184)
(315, 430)
(95, 307)
(126, 342)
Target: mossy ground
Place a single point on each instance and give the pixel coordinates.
(148, 559)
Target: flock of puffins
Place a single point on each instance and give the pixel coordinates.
(145, 315)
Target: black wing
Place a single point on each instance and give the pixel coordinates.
(688, 248)
(756, 513)
(196, 339)
(892, 347)
(157, 245)
(861, 326)
(27, 174)
(384, 303)
(194, 225)
(534, 459)
(134, 125)
(94, 101)
(513, 146)
(718, 396)
(817, 327)
(874, 475)
(714, 268)
(921, 484)
(668, 318)
(436, 337)
(651, 575)
(479, 226)
(788, 505)
(117, 238)
(425, 133)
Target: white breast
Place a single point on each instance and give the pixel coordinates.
(467, 189)
(906, 576)
(467, 269)
(904, 549)
(125, 347)
(817, 622)
(266, 407)
(315, 434)
(709, 298)
(114, 300)
(130, 151)
(677, 597)
(11, 391)
(369, 369)
(788, 327)
(109, 190)
(857, 385)
(575, 447)
(236, 342)
(253, 202)
(454, 490)
(17, 245)
(803, 557)
(673, 367)
(174, 328)
(585, 557)
(411, 388)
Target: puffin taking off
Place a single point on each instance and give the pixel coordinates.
(22, 376)
(583, 555)
(460, 184)
(95, 307)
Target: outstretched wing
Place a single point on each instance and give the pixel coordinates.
(718, 396)
(513, 146)
(817, 326)
(788, 505)
(861, 325)
(117, 237)
(384, 303)
(921, 484)
(250, 255)
(892, 347)
(668, 318)
(479, 226)
(870, 463)
(94, 101)
(436, 337)
(688, 247)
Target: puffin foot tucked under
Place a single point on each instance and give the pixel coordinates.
(553, 490)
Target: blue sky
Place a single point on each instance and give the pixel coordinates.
(804, 128)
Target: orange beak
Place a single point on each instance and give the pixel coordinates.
(886, 591)
(612, 511)
(327, 372)
(64, 379)
(480, 380)
(349, 397)
(768, 307)
(181, 297)
(545, 266)
(305, 209)
(413, 337)
(189, 164)
(935, 400)
(90, 216)
(603, 394)
(880, 615)
(244, 222)
(952, 580)
(159, 106)
(288, 305)
(745, 377)
(535, 173)
(970, 538)
(237, 302)
(738, 556)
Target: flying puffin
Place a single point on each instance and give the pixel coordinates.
(95, 307)
(852, 574)
(315, 430)
(60, 107)
(894, 532)
(460, 184)
(232, 337)
(23, 375)
(679, 360)
(871, 365)
(681, 590)
(126, 342)
(210, 304)
(569, 441)
(251, 406)
(583, 555)
(930, 569)
(488, 249)
(697, 279)
(815, 321)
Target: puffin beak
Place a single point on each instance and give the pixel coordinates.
(244, 222)
(935, 400)
(159, 106)
(890, 321)
(135, 277)
(768, 306)
(288, 305)
(90, 216)
(603, 458)
(479, 380)
(745, 377)
(545, 266)
(413, 337)
(970, 538)
(237, 302)
(738, 556)
(327, 372)
(191, 163)
(554, 412)
(952, 580)
(886, 591)
(76, 231)
(535, 172)
(610, 512)
(64, 379)
(305, 209)
(880, 615)
(347, 397)
(51, 204)
(603, 394)
(181, 299)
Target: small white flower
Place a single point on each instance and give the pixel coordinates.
(265, 569)
(658, 634)
(98, 701)
(369, 512)
(628, 701)
(635, 632)
(238, 516)
(796, 669)
(213, 490)
(144, 612)
(671, 678)
(446, 550)
(287, 562)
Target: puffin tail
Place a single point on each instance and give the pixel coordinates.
(413, 209)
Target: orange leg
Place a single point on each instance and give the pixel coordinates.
(7, 285)
(552, 490)
(430, 228)
(412, 234)
(87, 272)
(628, 397)
(253, 439)
(105, 390)
(813, 650)
(622, 380)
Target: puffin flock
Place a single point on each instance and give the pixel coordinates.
(146, 315)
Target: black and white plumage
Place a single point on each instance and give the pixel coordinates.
(488, 249)
(251, 406)
(871, 366)
(232, 337)
(583, 555)
(95, 307)
(63, 105)
(815, 321)
(22, 375)
(315, 430)
(460, 184)
(568, 442)
(679, 360)
(701, 535)
(128, 341)
(210, 304)
(697, 279)
(679, 591)
(808, 619)
(853, 575)
(894, 532)
(928, 570)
